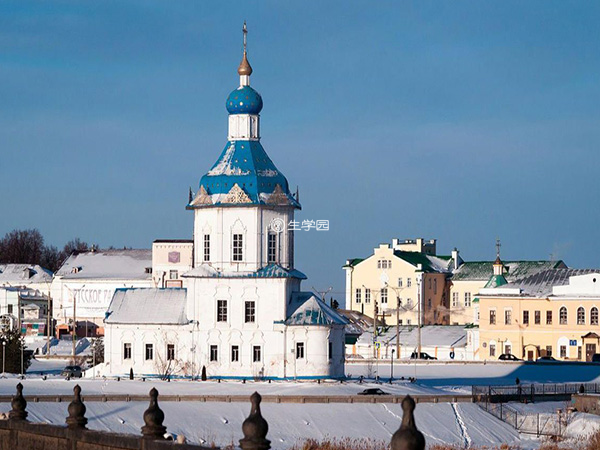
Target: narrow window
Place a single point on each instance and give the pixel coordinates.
(299, 350)
(507, 316)
(256, 356)
(400, 282)
(548, 317)
(455, 299)
(10, 309)
(214, 353)
(492, 317)
(507, 349)
(594, 316)
(250, 312)
(467, 299)
(171, 352)
(235, 353)
(538, 317)
(127, 350)
(435, 286)
(358, 295)
(173, 274)
(548, 350)
(367, 295)
(206, 247)
(408, 282)
(149, 352)
(384, 296)
(221, 310)
(330, 350)
(580, 316)
(525, 317)
(238, 241)
(271, 247)
(563, 351)
(492, 349)
(563, 315)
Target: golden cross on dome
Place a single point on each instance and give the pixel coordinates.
(245, 31)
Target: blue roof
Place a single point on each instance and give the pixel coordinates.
(246, 164)
(244, 100)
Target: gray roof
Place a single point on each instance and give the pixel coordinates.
(270, 271)
(513, 270)
(431, 335)
(19, 274)
(311, 310)
(148, 306)
(541, 284)
(127, 264)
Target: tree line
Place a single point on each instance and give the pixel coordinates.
(28, 247)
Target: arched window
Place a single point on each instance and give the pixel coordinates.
(563, 315)
(580, 316)
(594, 316)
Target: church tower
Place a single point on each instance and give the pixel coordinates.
(243, 204)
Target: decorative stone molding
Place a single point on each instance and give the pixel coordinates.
(236, 195)
(278, 197)
(202, 198)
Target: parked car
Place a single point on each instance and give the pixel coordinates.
(72, 372)
(546, 359)
(596, 357)
(423, 356)
(373, 391)
(508, 357)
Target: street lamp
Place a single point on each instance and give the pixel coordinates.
(3, 357)
(392, 366)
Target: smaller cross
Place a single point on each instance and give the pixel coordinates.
(498, 245)
(245, 31)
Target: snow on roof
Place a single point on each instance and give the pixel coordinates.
(513, 270)
(127, 264)
(311, 310)
(429, 263)
(431, 335)
(148, 306)
(270, 271)
(541, 284)
(18, 274)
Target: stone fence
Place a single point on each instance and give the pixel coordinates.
(18, 433)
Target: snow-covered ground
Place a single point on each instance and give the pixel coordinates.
(461, 424)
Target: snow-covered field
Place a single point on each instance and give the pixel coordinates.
(463, 424)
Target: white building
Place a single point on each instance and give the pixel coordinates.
(85, 283)
(244, 314)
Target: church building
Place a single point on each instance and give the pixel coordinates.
(241, 311)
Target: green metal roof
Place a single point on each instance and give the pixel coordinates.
(496, 281)
(513, 270)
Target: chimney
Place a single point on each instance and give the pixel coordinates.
(456, 259)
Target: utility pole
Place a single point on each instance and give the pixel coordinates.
(74, 323)
(419, 298)
(48, 314)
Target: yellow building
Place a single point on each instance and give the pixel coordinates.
(551, 313)
(399, 281)
(471, 276)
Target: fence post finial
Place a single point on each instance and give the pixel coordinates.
(255, 428)
(407, 437)
(18, 404)
(76, 410)
(153, 419)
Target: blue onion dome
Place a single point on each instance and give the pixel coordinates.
(244, 100)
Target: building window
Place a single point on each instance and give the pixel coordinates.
(149, 352)
(579, 353)
(367, 295)
(594, 316)
(455, 299)
(525, 317)
(330, 350)
(580, 316)
(10, 309)
(206, 247)
(400, 322)
(492, 350)
(507, 348)
(563, 315)
(429, 283)
(434, 286)
(537, 317)
(407, 321)
(271, 247)
(127, 350)
(408, 282)
(170, 352)
(548, 317)
(400, 282)
(563, 351)
(409, 303)
(429, 303)
(467, 299)
(492, 317)
(548, 350)
(173, 274)
(299, 350)
(507, 316)
(358, 295)
(384, 296)
(250, 312)
(256, 353)
(221, 310)
(214, 353)
(238, 243)
(235, 353)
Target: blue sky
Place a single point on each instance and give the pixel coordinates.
(461, 121)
